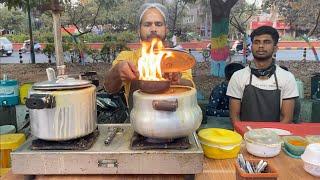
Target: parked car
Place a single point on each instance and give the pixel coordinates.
(5, 46)
(26, 46)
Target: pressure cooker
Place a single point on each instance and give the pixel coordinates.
(62, 108)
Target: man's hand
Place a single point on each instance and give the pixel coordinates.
(287, 110)
(234, 107)
(123, 71)
(174, 77)
(127, 71)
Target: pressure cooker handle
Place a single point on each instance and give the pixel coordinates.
(40, 101)
(165, 105)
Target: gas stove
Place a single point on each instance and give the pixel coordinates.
(114, 152)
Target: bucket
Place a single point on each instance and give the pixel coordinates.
(24, 92)
(9, 92)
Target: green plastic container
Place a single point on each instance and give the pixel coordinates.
(295, 145)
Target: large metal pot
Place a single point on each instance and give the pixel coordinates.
(168, 115)
(62, 109)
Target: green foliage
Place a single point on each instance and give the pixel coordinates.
(49, 49)
(125, 36)
(300, 14)
(12, 20)
(17, 38)
(291, 38)
(17, 4)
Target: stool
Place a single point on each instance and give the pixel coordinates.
(8, 143)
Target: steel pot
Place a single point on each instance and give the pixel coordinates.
(172, 114)
(62, 109)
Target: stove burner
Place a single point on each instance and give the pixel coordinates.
(82, 143)
(155, 140)
(139, 142)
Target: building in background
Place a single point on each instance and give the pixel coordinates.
(198, 17)
(270, 19)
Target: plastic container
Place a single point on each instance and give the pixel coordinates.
(262, 142)
(295, 145)
(311, 159)
(220, 143)
(7, 129)
(9, 92)
(8, 143)
(24, 92)
(269, 173)
(313, 139)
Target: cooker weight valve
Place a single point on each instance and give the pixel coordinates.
(41, 101)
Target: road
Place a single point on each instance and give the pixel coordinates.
(281, 55)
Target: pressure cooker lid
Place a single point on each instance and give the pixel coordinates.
(177, 60)
(68, 83)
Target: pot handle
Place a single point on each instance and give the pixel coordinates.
(165, 105)
(39, 101)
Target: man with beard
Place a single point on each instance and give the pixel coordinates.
(152, 24)
(262, 91)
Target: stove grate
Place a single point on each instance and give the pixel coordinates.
(82, 143)
(139, 142)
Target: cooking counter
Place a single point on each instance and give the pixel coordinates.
(288, 168)
(301, 129)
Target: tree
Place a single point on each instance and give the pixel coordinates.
(175, 10)
(12, 20)
(303, 16)
(220, 10)
(239, 17)
(205, 7)
(26, 6)
(121, 16)
(83, 17)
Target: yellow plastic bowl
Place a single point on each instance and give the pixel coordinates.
(220, 143)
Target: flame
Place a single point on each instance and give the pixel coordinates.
(149, 64)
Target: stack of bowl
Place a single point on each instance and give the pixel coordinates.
(262, 142)
(294, 146)
(311, 159)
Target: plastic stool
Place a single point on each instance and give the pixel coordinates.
(8, 143)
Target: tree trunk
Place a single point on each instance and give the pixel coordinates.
(33, 59)
(57, 38)
(206, 26)
(219, 34)
(175, 17)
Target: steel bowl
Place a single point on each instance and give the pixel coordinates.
(154, 87)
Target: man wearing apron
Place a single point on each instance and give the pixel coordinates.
(262, 91)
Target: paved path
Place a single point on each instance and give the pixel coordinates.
(281, 55)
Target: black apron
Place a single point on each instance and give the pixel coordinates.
(259, 104)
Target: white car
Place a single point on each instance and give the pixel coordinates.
(27, 48)
(5, 46)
